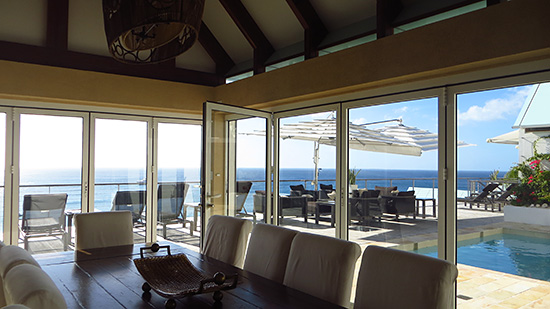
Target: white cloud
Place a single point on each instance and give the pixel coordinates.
(402, 110)
(495, 109)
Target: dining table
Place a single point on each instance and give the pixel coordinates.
(108, 278)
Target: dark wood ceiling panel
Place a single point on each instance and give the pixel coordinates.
(314, 28)
(215, 50)
(57, 24)
(80, 61)
(386, 12)
(262, 47)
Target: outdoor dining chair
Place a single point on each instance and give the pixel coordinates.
(322, 266)
(103, 229)
(44, 215)
(391, 278)
(226, 238)
(268, 250)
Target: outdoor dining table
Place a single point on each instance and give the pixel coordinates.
(108, 278)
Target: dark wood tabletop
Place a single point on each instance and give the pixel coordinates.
(107, 278)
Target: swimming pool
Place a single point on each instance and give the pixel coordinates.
(509, 252)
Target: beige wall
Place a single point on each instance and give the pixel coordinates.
(31, 82)
(504, 34)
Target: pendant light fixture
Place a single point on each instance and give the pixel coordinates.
(151, 31)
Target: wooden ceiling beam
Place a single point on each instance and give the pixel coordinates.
(57, 28)
(314, 28)
(386, 12)
(216, 51)
(254, 35)
(88, 62)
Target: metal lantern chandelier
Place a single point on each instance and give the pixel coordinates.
(151, 31)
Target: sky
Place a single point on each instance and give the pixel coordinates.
(55, 142)
(481, 115)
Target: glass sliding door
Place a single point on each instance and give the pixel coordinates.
(503, 237)
(50, 177)
(178, 162)
(236, 163)
(120, 150)
(307, 171)
(393, 173)
(2, 170)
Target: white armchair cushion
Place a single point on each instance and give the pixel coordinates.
(391, 278)
(11, 256)
(226, 239)
(29, 285)
(268, 250)
(103, 229)
(322, 266)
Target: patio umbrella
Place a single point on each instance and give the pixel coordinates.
(323, 131)
(511, 138)
(425, 139)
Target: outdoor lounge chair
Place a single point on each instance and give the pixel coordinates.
(170, 204)
(44, 215)
(503, 197)
(482, 197)
(133, 201)
(243, 187)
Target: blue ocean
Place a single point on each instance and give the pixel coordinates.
(108, 181)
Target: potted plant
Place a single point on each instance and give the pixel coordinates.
(352, 178)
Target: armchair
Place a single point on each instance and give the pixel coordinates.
(364, 205)
(403, 203)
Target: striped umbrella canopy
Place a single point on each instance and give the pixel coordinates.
(323, 131)
(425, 139)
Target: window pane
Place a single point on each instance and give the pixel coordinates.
(179, 159)
(503, 232)
(121, 169)
(393, 158)
(50, 166)
(307, 173)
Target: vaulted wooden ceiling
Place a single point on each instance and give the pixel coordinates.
(236, 36)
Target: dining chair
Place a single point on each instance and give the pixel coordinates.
(391, 278)
(103, 229)
(44, 215)
(268, 250)
(226, 238)
(322, 266)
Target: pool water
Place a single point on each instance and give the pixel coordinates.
(527, 256)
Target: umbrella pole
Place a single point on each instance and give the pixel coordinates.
(316, 163)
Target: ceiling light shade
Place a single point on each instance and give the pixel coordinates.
(151, 31)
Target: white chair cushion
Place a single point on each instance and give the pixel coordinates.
(391, 278)
(322, 266)
(103, 229)
(11, 256)
(268, 250)
(30, 286)
(226, 239)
